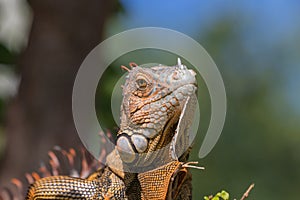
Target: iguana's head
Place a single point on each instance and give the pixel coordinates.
(153, 100)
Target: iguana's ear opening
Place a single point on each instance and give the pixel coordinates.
(181, 140)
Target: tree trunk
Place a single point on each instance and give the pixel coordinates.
(40, 116)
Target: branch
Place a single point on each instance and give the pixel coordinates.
(246, 194)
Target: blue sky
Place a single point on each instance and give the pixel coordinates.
(268, 24)
(175, 14)
(188, 15)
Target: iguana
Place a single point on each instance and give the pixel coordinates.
(152, 146)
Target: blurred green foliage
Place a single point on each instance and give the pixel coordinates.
(260, 140)
(7, 60)
(6, 56)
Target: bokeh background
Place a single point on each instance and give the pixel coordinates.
(255, 44)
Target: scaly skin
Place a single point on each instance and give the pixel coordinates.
(102, 184)
(147, 143)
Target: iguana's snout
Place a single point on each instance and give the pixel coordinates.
(153, 99)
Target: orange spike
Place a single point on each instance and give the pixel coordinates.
(35, 176)
(5, 193)
(125, 68)
(84, 165)
(54, 168)
(29, 178)
(54, 159)
(17, 183)
(45, 172)
(71, 155)
(64, 152)
(72, 152)
(133, 64)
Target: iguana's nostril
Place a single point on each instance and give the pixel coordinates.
(175, 76)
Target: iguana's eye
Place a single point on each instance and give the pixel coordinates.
(141, 83)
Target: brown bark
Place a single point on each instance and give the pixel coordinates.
(62, 34)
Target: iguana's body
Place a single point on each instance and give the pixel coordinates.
(105, 184)
(145, 163)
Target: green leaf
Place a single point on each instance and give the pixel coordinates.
(224, 195)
